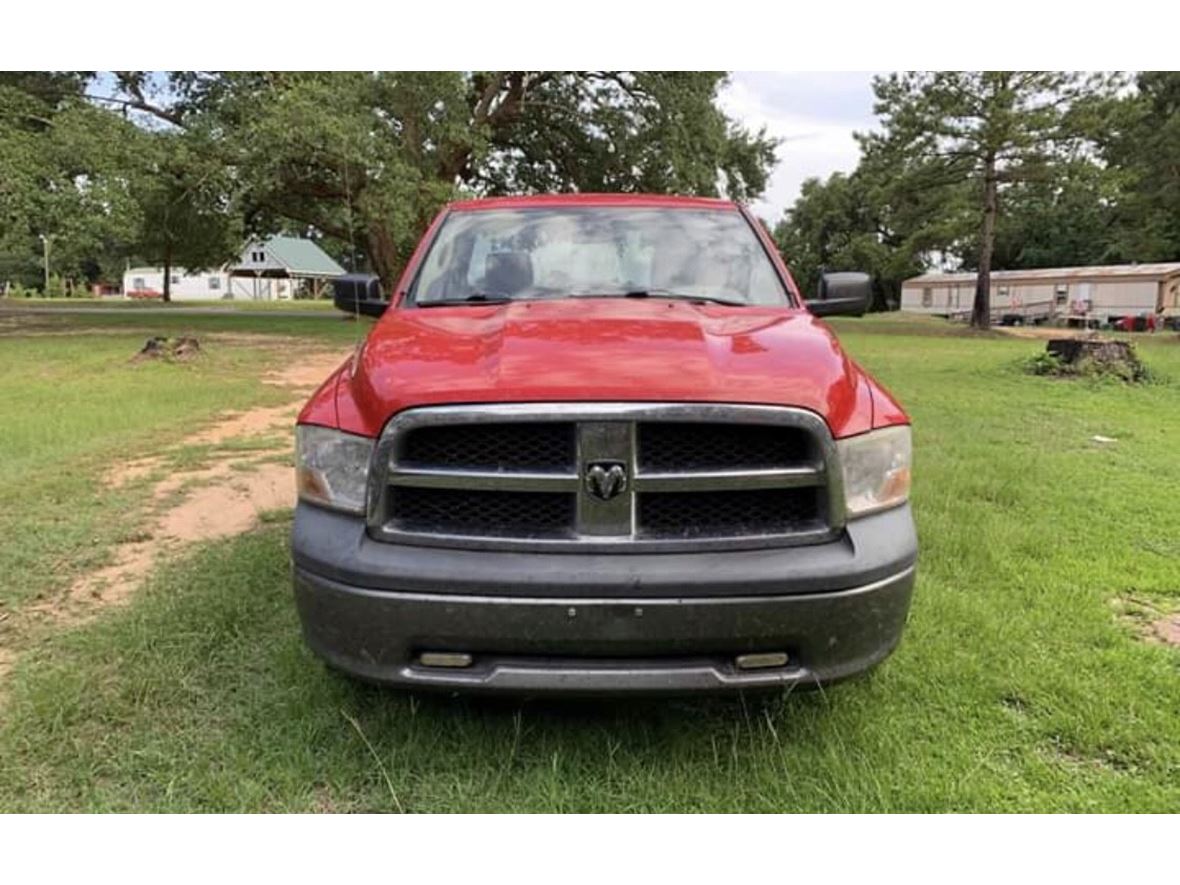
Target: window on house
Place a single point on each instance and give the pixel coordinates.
(214, 283)
(1061, 293)
(927, 296)
(258, 257)
(175, 279)
(138, 283)
(1002, 291)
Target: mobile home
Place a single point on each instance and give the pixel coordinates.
(1100, 294)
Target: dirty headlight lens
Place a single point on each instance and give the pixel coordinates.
(876, 469)
(332, 467)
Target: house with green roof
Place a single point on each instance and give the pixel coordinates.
(281, 267)
(269, 268)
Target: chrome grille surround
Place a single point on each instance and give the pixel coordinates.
(605, 432)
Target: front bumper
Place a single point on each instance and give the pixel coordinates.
(536, 623)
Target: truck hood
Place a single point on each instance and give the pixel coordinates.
(603, 349)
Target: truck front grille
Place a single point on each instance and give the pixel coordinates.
(691, 515)
(526, 445)
(483, 512)
(604, 475)
(700, 445)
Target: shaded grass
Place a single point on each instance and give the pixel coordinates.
(1016, 687)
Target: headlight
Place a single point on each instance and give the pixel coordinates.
(876, 469)
(332, 467)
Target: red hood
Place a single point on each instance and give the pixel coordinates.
(602, 349)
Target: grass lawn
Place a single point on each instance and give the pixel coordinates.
(73, 405)
(320, 304)
(1019, 686)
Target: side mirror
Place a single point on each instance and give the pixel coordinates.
(842, 294)
(359, 293)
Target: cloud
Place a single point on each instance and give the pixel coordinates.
(813, 113)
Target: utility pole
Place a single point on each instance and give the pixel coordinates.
(45, 239)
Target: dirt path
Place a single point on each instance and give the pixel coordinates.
(246, 473)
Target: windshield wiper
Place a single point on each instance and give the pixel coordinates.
(662, 293)
(474, 298)
(687, 296)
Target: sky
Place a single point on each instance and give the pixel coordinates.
(813, 113)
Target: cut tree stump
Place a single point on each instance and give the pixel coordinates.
(180, 349)
(1097, 354)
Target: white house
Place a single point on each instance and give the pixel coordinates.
(146, 282)
(268, 269)
(1100, 293)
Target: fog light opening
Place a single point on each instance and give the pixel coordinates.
(761, 660)
(450, 659)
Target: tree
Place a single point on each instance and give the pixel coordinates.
(185, 218)
(1065, 221)
(65, 174)
(1142, 140)
(973, 135)
(369, 158)
(838, 225)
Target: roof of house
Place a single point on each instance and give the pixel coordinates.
(302, 257)
(537, 201)
(1157, 271)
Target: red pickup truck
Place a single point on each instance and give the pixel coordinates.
(601, 444)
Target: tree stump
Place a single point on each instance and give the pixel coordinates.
(1097, 355)
(186, 348)
(180, 349)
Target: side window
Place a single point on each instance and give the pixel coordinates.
(214, 283)
(927, 297)
(138, 283)
(175, 279)
(1061, 293)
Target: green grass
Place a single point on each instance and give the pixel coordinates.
(122, 304)
(1017, 687)
(326, 326)
(73, 405)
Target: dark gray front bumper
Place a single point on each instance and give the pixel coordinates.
(602, 623)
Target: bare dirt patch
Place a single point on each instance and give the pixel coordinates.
(133, 471)
(305, 375)
(204, 502)
(230, 506)
(1167, 629)
(1151, 621)
(1041, 332)
(240, 425)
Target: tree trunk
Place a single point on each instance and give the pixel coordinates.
(383, 257)
(168, 273)
(981, 313)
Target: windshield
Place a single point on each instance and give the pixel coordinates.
(508, 254)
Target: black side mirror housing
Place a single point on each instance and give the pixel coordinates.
(359, 293)
(842, 294)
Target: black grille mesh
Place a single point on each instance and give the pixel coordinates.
(729, 514)
(492, 513)
(674, 446)
(506, 446)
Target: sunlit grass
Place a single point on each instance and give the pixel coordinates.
(73, 405)
(1017, 686)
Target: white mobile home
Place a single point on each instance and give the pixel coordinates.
(1097, 293)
